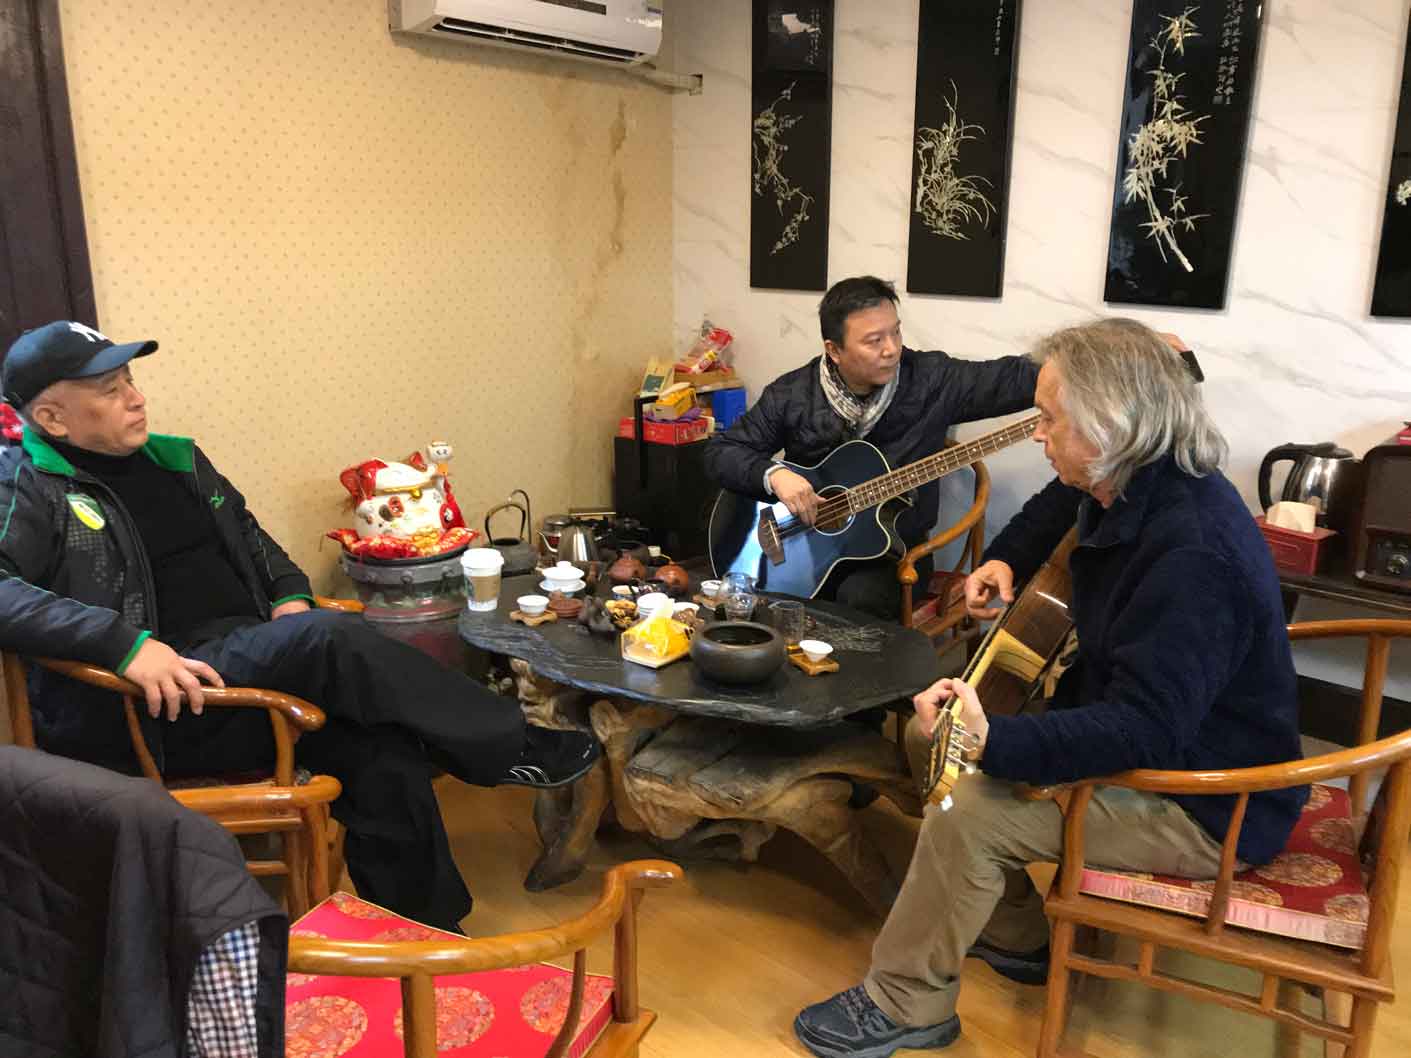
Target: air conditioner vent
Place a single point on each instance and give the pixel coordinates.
(524, 38)
(610, 32)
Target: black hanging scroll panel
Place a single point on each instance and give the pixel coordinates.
(1180, 159)
(966, 59)
(791, 133)
(1391, 291)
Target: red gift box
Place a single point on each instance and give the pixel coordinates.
(666, 433)
(1294, 552)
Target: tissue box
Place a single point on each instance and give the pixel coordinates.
(1295, 552)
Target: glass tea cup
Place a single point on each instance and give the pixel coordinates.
(740, 598)
(789, 620)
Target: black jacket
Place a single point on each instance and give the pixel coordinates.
(75, 582)
(934, 392)
(1183, 657)
(109, 892)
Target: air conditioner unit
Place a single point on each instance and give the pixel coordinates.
(618, 32)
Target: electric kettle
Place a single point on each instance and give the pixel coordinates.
(1323, 475)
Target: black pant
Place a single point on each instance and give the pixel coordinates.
(388, 706)
(872, 586)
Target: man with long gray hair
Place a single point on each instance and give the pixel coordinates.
(1183, 663)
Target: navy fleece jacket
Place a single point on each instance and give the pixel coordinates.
(1183, 660)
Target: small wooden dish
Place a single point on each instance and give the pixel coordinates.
(812, 668)
(534, 620)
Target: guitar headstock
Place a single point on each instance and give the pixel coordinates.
(948, 743)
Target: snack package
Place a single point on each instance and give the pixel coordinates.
(708, 353)
(658, 637)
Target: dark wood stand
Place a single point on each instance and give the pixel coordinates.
(1336, 582)
(1327, 710)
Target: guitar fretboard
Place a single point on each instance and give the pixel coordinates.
(897, 482)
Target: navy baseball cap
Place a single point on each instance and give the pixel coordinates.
(59, 350)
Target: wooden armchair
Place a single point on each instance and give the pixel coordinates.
(1363, 973)
(943, 617)
(418, 963)
(298, 813)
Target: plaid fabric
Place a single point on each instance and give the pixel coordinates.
(220, 1011)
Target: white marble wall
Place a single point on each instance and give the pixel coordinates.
(1294, 355)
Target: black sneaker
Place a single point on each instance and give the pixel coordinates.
(850, 1025)
(553, 758)
(1028, 968)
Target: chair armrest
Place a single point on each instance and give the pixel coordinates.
(319, 955)
(906, 568)
(1373, 755)
(324, 602)
(320, 790)
(305, 716)
(1024, 792)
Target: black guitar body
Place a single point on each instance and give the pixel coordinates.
(808, 556)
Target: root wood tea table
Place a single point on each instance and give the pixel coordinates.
(706, 769)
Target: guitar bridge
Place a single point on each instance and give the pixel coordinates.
(767, 534)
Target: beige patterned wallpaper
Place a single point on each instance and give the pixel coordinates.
(349, 244)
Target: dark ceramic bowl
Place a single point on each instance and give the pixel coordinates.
(738, 652)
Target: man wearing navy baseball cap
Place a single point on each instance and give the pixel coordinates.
(128, 550)
(62, 350)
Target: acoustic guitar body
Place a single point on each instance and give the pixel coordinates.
(1010, 665)
(808, 557)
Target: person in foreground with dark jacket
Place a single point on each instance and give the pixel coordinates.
(865, 385)
(1183, 663)
(128, 550)
(131, 925)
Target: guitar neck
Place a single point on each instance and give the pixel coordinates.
(898, 482)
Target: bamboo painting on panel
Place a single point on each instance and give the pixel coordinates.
(1185, 121)
(965, 67)
(1391, 291)
(790, 143)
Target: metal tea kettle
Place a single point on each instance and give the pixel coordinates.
(518, 551)
(1323, 475)
(576, 543)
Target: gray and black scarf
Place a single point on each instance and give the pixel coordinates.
(860, 413)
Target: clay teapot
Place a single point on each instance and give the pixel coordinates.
(626, 569)
(673, 579)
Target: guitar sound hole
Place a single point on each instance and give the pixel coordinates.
(839, 522)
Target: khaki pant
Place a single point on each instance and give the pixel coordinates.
(967, 879)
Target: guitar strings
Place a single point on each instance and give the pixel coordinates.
(879, 489)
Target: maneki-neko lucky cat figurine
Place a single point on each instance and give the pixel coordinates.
(403, 510)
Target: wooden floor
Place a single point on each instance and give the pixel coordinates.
(730, 957)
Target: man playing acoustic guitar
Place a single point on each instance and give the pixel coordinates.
(1183, 663)
(865, 385)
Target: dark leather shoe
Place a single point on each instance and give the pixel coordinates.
(1028, 968)
(850, 1025)
(553, 758)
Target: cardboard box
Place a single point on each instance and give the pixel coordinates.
(707, 380)
(674, 401)
(667, 433)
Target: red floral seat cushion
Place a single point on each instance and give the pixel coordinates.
(1313, 890)
(515, 1011)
